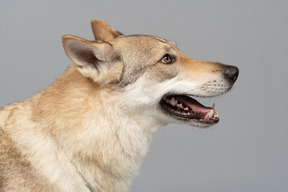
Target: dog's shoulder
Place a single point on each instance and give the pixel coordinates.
(16, 171)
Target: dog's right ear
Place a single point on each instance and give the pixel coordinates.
(102, 31)
(97, 61)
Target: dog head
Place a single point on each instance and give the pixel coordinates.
(150, 76)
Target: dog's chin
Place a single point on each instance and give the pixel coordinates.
(189, 111)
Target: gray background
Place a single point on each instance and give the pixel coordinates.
(246, 151)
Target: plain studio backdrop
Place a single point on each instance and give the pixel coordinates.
(245, 151)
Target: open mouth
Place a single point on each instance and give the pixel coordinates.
(187, 108)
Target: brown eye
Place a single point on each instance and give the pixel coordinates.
(167, 59)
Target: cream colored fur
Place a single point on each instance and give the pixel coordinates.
(91, 128)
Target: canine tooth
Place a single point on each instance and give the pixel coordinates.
(210, 113)
(173, 101)
(186, 109)
(180, 105)
(213, 106)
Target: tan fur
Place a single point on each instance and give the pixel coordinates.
(91, 128)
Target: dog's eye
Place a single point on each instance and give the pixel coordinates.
(167, 59)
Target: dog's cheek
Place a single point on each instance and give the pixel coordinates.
(161, 73)
(128, 77)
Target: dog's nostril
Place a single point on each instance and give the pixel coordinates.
(232, 73)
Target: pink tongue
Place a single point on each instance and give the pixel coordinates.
(192, 103)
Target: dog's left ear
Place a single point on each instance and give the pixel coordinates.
(97, 61)
(102, 31)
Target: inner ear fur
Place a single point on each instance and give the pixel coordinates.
(102, 31)
(97, 61)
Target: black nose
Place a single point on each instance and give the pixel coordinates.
(231, 73)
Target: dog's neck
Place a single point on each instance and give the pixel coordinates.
(94, 115)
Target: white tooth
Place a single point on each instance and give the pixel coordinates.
(210, 113)
(213, 106)
(173, 101)
(180, 105)
(216, 115)
(186, 109)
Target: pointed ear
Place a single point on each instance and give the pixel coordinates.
(102, 31)
(97, 61)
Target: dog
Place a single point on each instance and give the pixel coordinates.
(90, 129)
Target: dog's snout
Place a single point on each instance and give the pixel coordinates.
(231, 73)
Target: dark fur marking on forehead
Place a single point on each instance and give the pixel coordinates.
(170, 43)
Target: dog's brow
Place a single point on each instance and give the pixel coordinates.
(160, 39)
(172, 44)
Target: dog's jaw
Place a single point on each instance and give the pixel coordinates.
(185, 108)
(180, 102)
